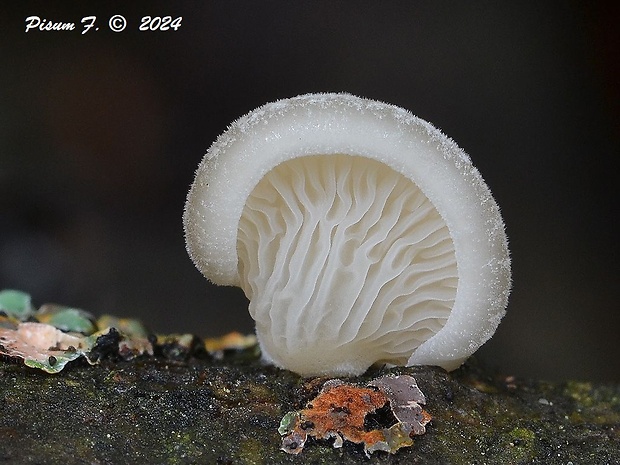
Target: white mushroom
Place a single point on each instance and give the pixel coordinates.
(360, 233)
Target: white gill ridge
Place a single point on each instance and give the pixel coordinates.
(324, 232)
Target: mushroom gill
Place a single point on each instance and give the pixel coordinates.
(360, 233)
(346, 263)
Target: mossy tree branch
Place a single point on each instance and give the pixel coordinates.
(228, 411)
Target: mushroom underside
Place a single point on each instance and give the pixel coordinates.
(346, 263)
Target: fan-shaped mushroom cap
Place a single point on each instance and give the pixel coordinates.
(359, 232)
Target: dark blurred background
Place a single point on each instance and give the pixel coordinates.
(100, 135)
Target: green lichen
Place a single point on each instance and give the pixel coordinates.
(15, 303)
(66, 318)
(53, 363)
(288, 422)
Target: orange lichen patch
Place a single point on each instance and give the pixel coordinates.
(382, 416)
(230, 341)
(343, 408)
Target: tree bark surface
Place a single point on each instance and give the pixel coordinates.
(227, 411)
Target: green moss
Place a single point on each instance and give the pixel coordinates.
(251, 452)
(580, 392)
(520, 445)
